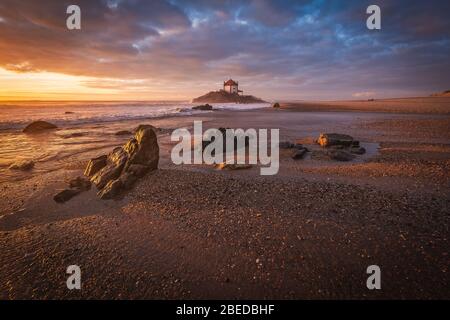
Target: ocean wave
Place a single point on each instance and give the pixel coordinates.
(14, 117)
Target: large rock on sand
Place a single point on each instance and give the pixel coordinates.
(334, 139)
(38, 126)
(124, 165)
(95, 165)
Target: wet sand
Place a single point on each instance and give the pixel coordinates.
(195, 232)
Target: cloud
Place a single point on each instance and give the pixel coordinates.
(304, 49)
(23, 67)
(365, 94)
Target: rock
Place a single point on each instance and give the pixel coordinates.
(80, 183)
(299, 153)
(38, 126)
(138, 170)
(23, 165)
(205, 107)
(358, 150)
(69, 112)
(95, 165)
(111, 190)
(340, 155)
(355, 143)
(226, 166)
(123, 133)
(66, 195)
(143, 149)
(124, 165)
(114, 165)
(145, 126)
(276, 105)
(333, 139)
(128, 179)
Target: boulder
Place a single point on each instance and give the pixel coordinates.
(95, 165)
(143, 149)
(340, 155)
(23, 165)
(333, 139)
(124, 165)
(66, 195)
(138, 170)
(38, 126)
(128, 179)
(111, 189)
(145, 126)
(205, 107)
(276, 105)
(114, 165)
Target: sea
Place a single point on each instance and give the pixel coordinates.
(84, 128)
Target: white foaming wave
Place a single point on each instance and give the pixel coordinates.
(239, 106)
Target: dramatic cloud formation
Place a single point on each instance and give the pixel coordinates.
(305, 49)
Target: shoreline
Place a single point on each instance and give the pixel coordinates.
(195, 232)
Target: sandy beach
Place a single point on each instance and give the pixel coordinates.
(195, 232)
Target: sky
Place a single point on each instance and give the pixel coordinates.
(180, 49)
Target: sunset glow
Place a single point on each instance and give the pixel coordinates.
(172, 50)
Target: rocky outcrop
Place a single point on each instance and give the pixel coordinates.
(204, 107)
(445, 93)
(276, 105)
(124, 165)
(342, 147)
(38, 126)
(94, 165)
(334, 139)
(23, 165)
(222, 96)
